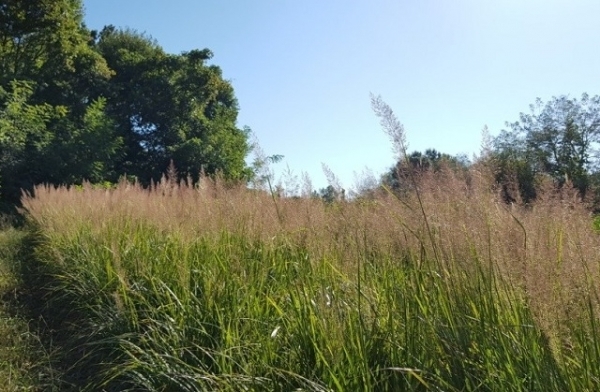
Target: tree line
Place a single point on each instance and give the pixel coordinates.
(556, 142)
(81, 105)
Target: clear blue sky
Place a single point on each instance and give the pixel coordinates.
(303, 70)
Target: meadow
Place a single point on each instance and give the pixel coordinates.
(221, 287)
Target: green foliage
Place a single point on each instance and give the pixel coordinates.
(556, 139)
(24, 135)
(397, 177)
(329, 194)
(160, 312)
(171, 107)
(596, 223)
(85, 150)
(47, 70)
(21, 121)
(82, 106)
(513, 169)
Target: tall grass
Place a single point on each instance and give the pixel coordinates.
(216, 288)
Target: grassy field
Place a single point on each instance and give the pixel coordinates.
(223, 288)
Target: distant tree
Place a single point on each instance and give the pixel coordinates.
(42, 143)
(558, 138)
(330, 194)
(510, 161)
(23, 132)
(417, 162)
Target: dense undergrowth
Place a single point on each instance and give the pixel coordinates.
(223, 288)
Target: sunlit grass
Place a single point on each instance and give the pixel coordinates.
(213, 288)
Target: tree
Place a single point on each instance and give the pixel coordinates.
(41, 143)
(23, 132)
(82, 150)
(171, 107)
(510, 160)
(417, 163)
(330, 194)
(79, 105)
(52, 120)
(558, 138)
(45, 43)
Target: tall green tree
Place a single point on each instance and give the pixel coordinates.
(49, 102)
(171, 107)
(511, 163)
(45, 42)
(41, 143)
(80, 105)
(23, 133)
(558, 138)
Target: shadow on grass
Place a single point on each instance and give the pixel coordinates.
(57, 321)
